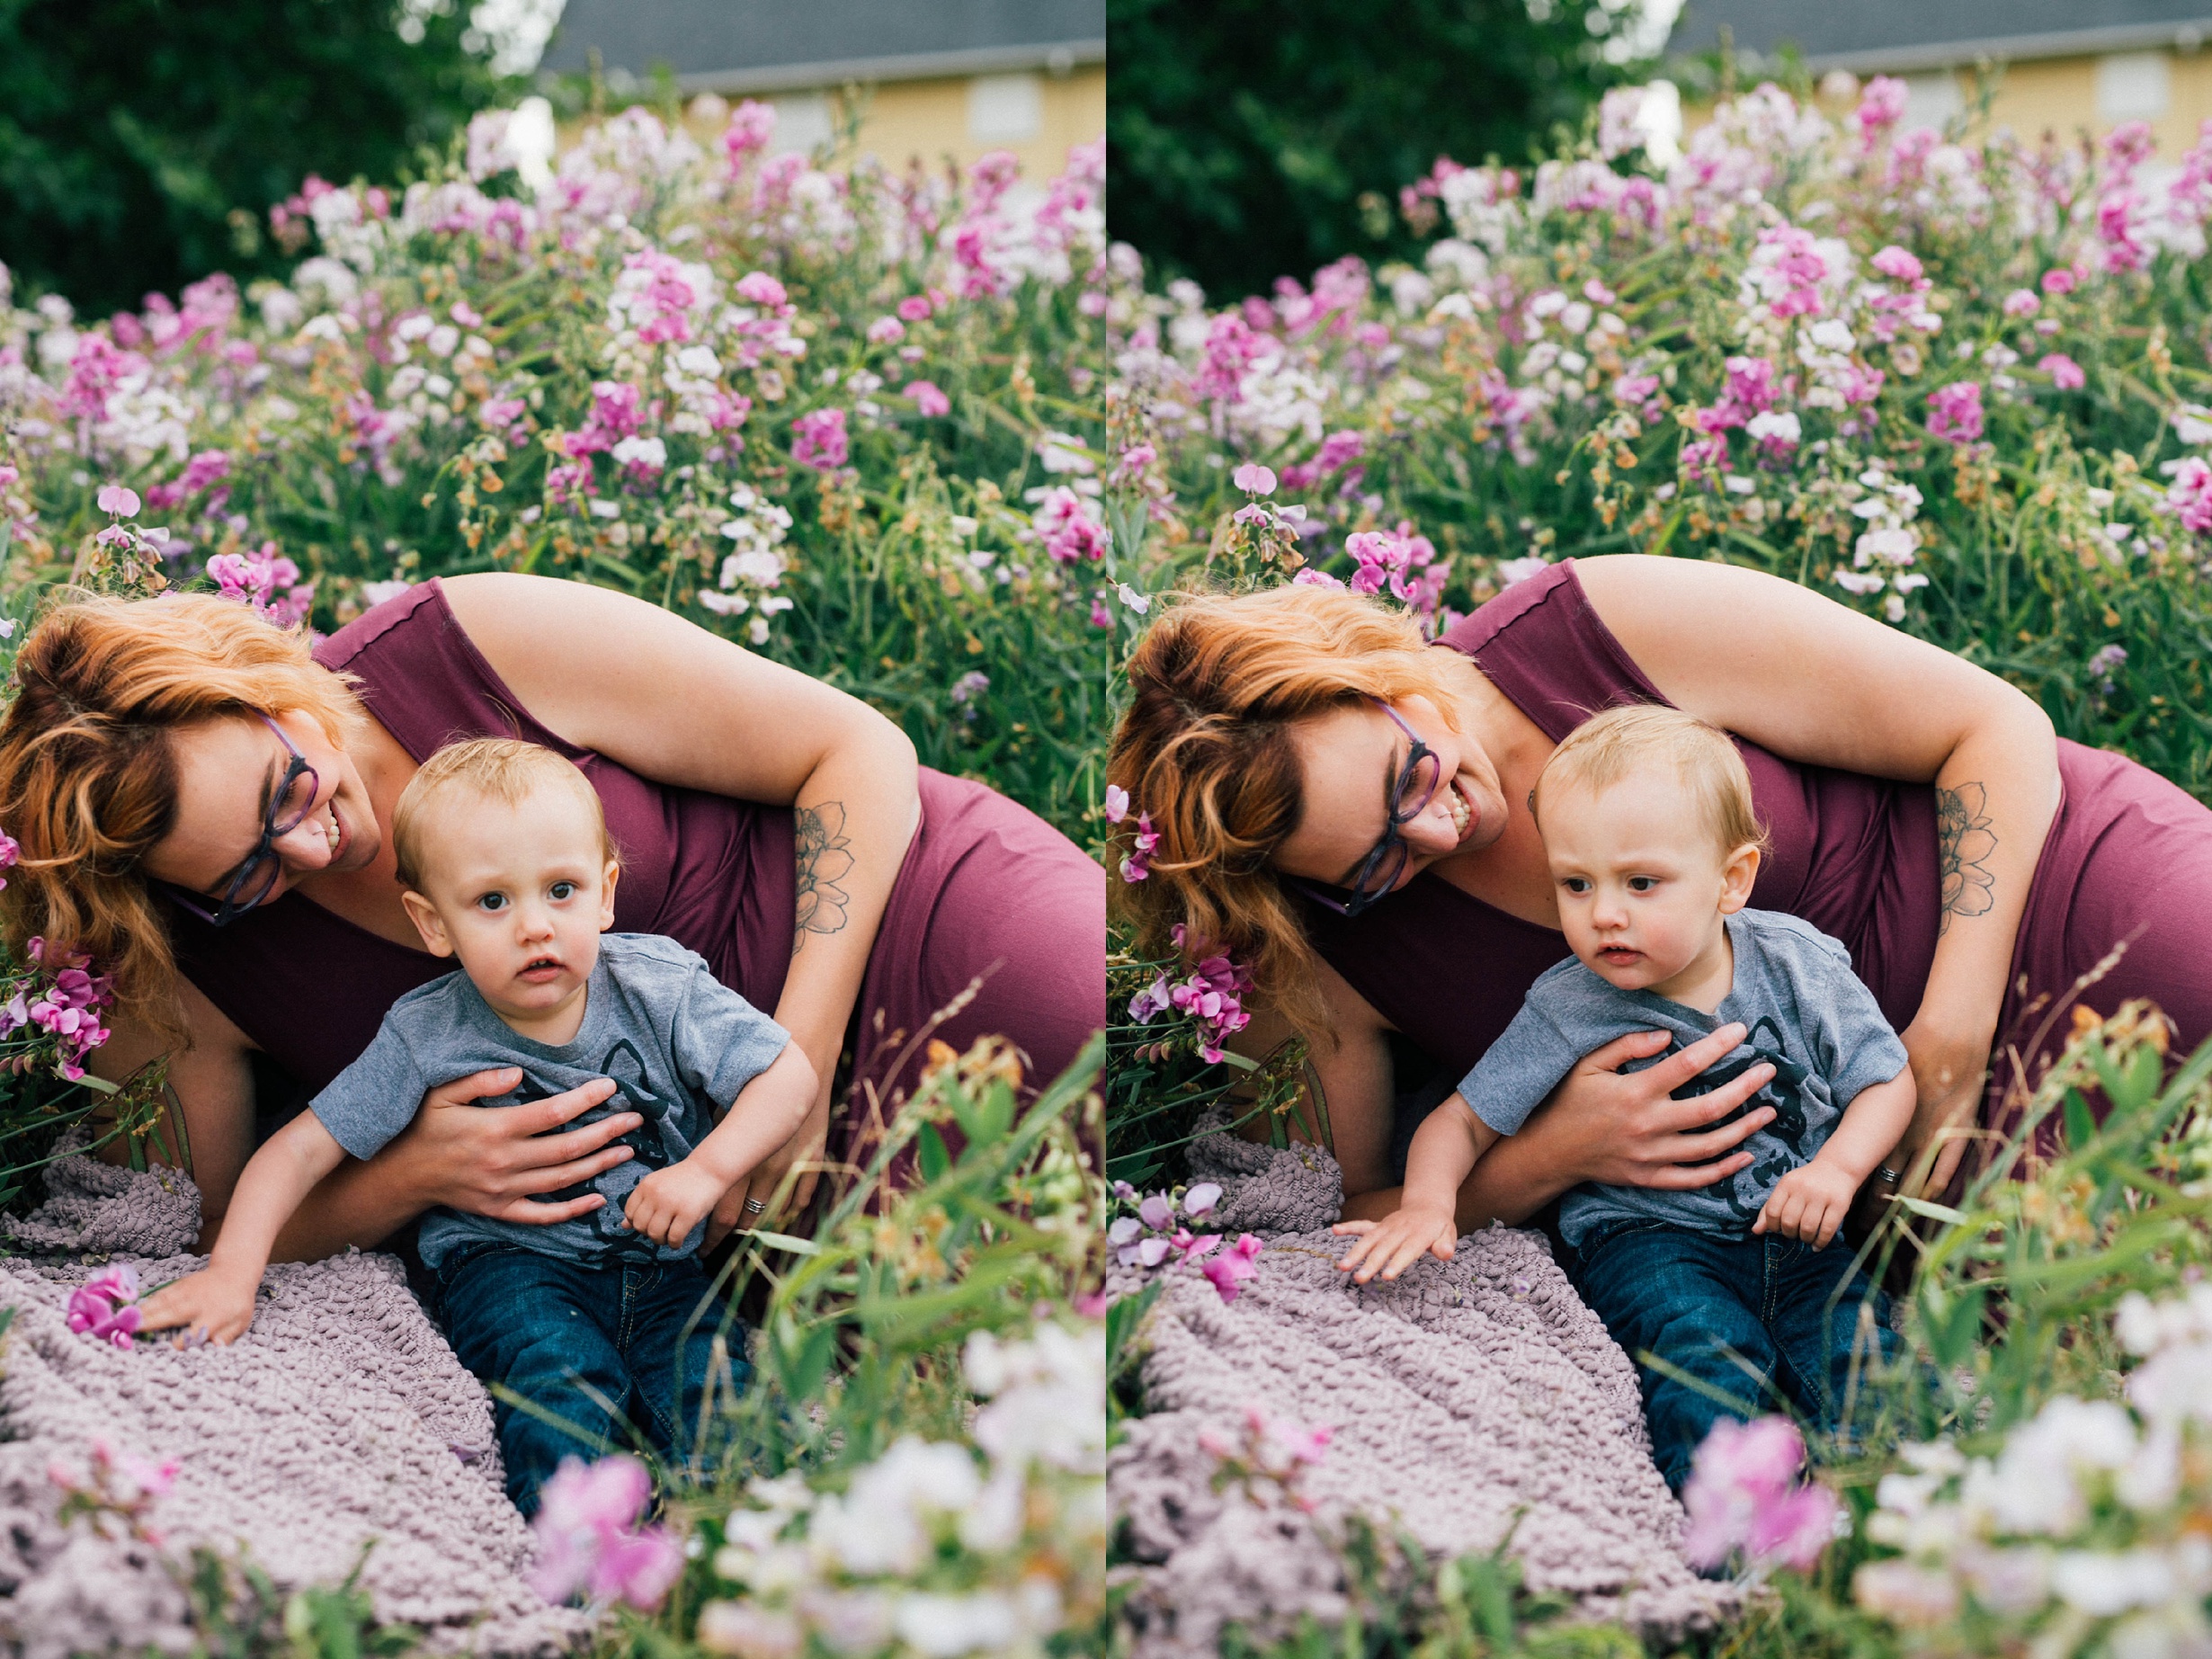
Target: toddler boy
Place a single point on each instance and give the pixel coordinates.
(1653, 846)
(504, 857)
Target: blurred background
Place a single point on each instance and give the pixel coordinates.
(1249, 140)
(128, 170)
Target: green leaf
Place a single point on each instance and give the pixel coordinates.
(1122, 1321)
(929, 1151)
(2080, 1128)
(1934, 1212)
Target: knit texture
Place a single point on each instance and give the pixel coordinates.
(342, 1417)
(1464, 1396)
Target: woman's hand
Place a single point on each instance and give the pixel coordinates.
(804, 1147)
(1948, 1072)
(494, 1160)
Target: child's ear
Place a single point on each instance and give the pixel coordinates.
(606, 895)
(427, 923)
(1736, 876)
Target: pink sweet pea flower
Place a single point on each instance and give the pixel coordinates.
(119, 502)
(2066, 374)
(1253, 479)
(1954, 411)
(2058, 281)
(104, 1307)
(1230, 1269)
(2022, 302)
(585, 1542)
(1744, 1494)
(1137, 865)
(819, 440)
(1116, 806)
(1200, 1200)
(914, 308)
(928, 398)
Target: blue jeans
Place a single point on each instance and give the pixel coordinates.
(599, 1346)
(1709, 1306)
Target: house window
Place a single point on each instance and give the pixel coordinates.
(2133, 86)
(1004, 109)
(802, 121)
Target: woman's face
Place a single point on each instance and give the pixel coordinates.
(1350, 759)
(226, 769)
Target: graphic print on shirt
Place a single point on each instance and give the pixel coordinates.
(656, 1144)
(1784, 1091)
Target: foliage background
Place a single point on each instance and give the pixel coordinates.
(1246, 139)
(142, 140)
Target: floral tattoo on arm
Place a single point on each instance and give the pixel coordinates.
(1964, 840)
(825, 859)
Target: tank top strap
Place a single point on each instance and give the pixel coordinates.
(423, 678)
(1542, 645)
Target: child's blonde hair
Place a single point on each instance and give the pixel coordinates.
(1609, 746)
(506, 769)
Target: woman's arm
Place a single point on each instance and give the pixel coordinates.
(1817, 682)
(677, 704)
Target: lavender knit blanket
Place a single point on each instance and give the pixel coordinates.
(340, 1418)
(1469, 1399)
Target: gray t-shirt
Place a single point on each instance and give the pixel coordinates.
(678, 1042)
(1807, 1015)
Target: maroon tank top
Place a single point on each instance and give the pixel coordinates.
(1853, 855)
(310, 987)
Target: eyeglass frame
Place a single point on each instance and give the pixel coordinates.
(1399, 817)
(228, 909)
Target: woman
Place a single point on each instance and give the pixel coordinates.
(1348, 810)
(206, 808)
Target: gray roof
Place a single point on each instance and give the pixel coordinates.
(1898, 35)
(743, 46)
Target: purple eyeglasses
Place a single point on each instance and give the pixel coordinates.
(1421, 776)
(289, 806)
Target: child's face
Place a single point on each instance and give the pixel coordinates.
(1640, 883)
(521, 894)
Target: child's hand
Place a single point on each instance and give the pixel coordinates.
(667, 1204)
(1808, 1203)
(1395, 1243)
(209, 1302)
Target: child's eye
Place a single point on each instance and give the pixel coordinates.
(1642, 884)
(492, 901)
(1575, 884)
(564, 891)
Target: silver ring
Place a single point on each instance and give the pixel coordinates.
(755, 1207)
(1887, 1176)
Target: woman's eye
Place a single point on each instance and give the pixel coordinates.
(564, 891)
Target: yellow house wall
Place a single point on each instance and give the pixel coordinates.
(2059, 95)
(929, 119)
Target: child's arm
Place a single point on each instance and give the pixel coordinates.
(667, 1204)
(1810, 1202)
(218, 1299)
(1444, 1152)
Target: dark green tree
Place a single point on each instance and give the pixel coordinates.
(143, 142)
(1249, 139)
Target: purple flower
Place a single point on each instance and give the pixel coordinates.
(104, 1307)
(2065, 373)
(886, 331)
(118, 502)
(1954, 411)
(1137, 865)
(1744, 1494)
(586, 1540)
(2190, 494)
(1200, 1200)
(927, 399)
(818, 439)
(1157, 1212)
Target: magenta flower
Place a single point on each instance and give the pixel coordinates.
(762, 290)
(2190, 494)
(588, 1539)
(2060, 280)
(1233, 1266)
(2065, 373)
(819, 440)
(1743, 1495)
(928, 398)
(1253, 479)
(1137, 865)
(118, 502)
(104, 1307)
(914, 308)
(1954, 411)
